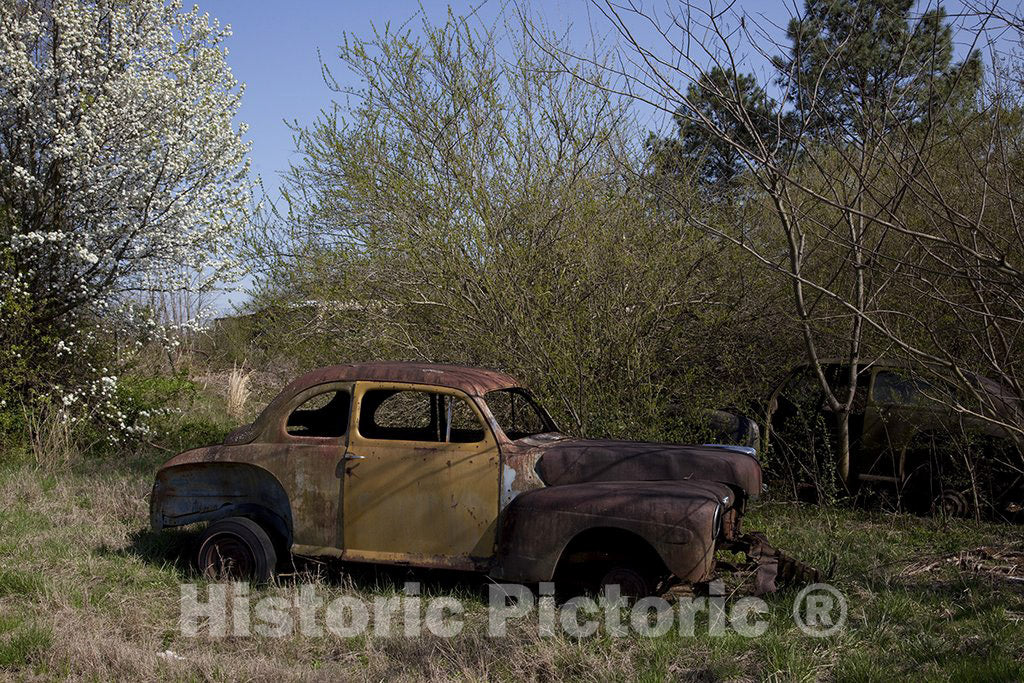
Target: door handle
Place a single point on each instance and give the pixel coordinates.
(339, 471)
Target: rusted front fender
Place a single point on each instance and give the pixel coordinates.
(678, 519)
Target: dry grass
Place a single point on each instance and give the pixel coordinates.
(87, 592)
(251, 388)
(52, 438)
(238, 392)
(105, 591)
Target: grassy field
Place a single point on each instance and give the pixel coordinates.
(87, 591)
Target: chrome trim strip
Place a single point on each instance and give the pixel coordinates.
(745, 450)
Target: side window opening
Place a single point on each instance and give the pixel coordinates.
(322, 416)
(410, 415)
(461, 423)
(398, 415)
(892, 388)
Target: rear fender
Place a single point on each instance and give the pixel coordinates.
(205, 491)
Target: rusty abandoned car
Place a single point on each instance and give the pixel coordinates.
(459, 468)
(906, 437)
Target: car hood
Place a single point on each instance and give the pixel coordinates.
(574, 461)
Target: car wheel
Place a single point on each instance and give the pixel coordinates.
(236, 548)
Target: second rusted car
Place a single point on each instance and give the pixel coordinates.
(920, 438)
(444, 466)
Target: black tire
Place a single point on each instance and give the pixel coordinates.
(236, 548)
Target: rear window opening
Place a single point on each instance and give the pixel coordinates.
(323, 416)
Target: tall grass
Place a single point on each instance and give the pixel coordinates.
(238, 391)
(51, 437)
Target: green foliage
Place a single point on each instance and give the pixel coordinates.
(171, 410)
(184, 430)
(21, 642)
(19, 583)
(142, 396)
(721, 98)
(866, 68)
(802, 454)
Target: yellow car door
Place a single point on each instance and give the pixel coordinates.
(421, 477)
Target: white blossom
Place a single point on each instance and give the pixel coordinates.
(122, 170)
(119, 156)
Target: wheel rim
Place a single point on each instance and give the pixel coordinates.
(631, 583)
(227, 556)
(951, 503)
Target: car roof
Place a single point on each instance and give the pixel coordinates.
(990, 386)
(471, 380)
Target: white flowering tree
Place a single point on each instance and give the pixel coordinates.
(120, 164)
(122, 171)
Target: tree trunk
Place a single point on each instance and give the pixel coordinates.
(843, 463)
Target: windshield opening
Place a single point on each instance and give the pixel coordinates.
(518, 414)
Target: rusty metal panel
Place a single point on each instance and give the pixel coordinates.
(677, 518)
(304, 468)
(307, 473)
(471, 381)
(419, 500)
(519, 470)
(577, 460)
(304, 473)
